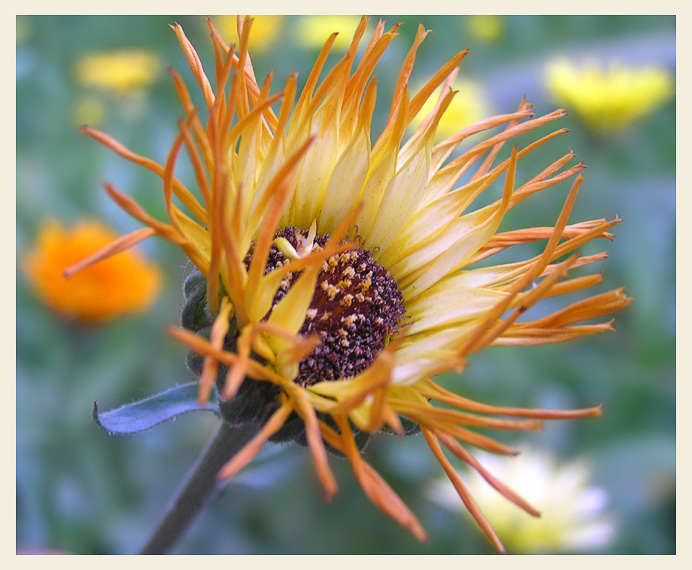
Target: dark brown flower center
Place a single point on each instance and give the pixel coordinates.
(356, 308)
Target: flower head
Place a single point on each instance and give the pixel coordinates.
(608, 100)
(337, 271)
(573, 517)
(123, 284)
(120, 71)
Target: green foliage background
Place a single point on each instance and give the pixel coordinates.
(80, 491)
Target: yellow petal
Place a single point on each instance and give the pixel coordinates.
(449, 306)
(346, 182)
(401, 198)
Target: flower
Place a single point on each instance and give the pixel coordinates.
(313, 31)
(125, 283)
(265, 30)
(119, 71)
(608, 100)
(573, 517)
(466, 108)
(485, 28)
(337, 275)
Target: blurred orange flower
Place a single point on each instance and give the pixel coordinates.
(125, 283)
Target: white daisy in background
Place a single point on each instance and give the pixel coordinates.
(573, 513)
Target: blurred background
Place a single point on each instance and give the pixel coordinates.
(81, 491)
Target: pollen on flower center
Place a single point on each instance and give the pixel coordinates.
(355, 309)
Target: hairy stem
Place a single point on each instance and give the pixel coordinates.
(198, 487)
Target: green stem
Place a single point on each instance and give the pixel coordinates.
(198, 487)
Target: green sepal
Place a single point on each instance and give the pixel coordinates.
(195, 314)
(254, 402)
(145, 414)
(197, 318)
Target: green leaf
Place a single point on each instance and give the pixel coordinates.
(145, 414)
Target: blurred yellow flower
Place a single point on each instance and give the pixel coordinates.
(611, 99)
(485, 28)
(89, 112)
(125, 283)
(465, 109)
(313, 31)
(264, 31)
(572, 513)
(119, 71)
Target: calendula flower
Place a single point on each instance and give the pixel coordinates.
(466, 108)
(265, 30)
(313, 31)
(337, 274)
(123, 284)
(573, 517)
(484, 28)
(119, 71)
(609, 99)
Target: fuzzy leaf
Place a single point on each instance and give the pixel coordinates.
(145, 414)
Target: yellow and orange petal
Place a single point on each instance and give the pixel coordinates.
(123, 284)
(308, 160)
(467, 108)
(265, 31)
(313, 31)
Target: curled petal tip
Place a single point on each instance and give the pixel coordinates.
(329, 493)
(172, 331)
